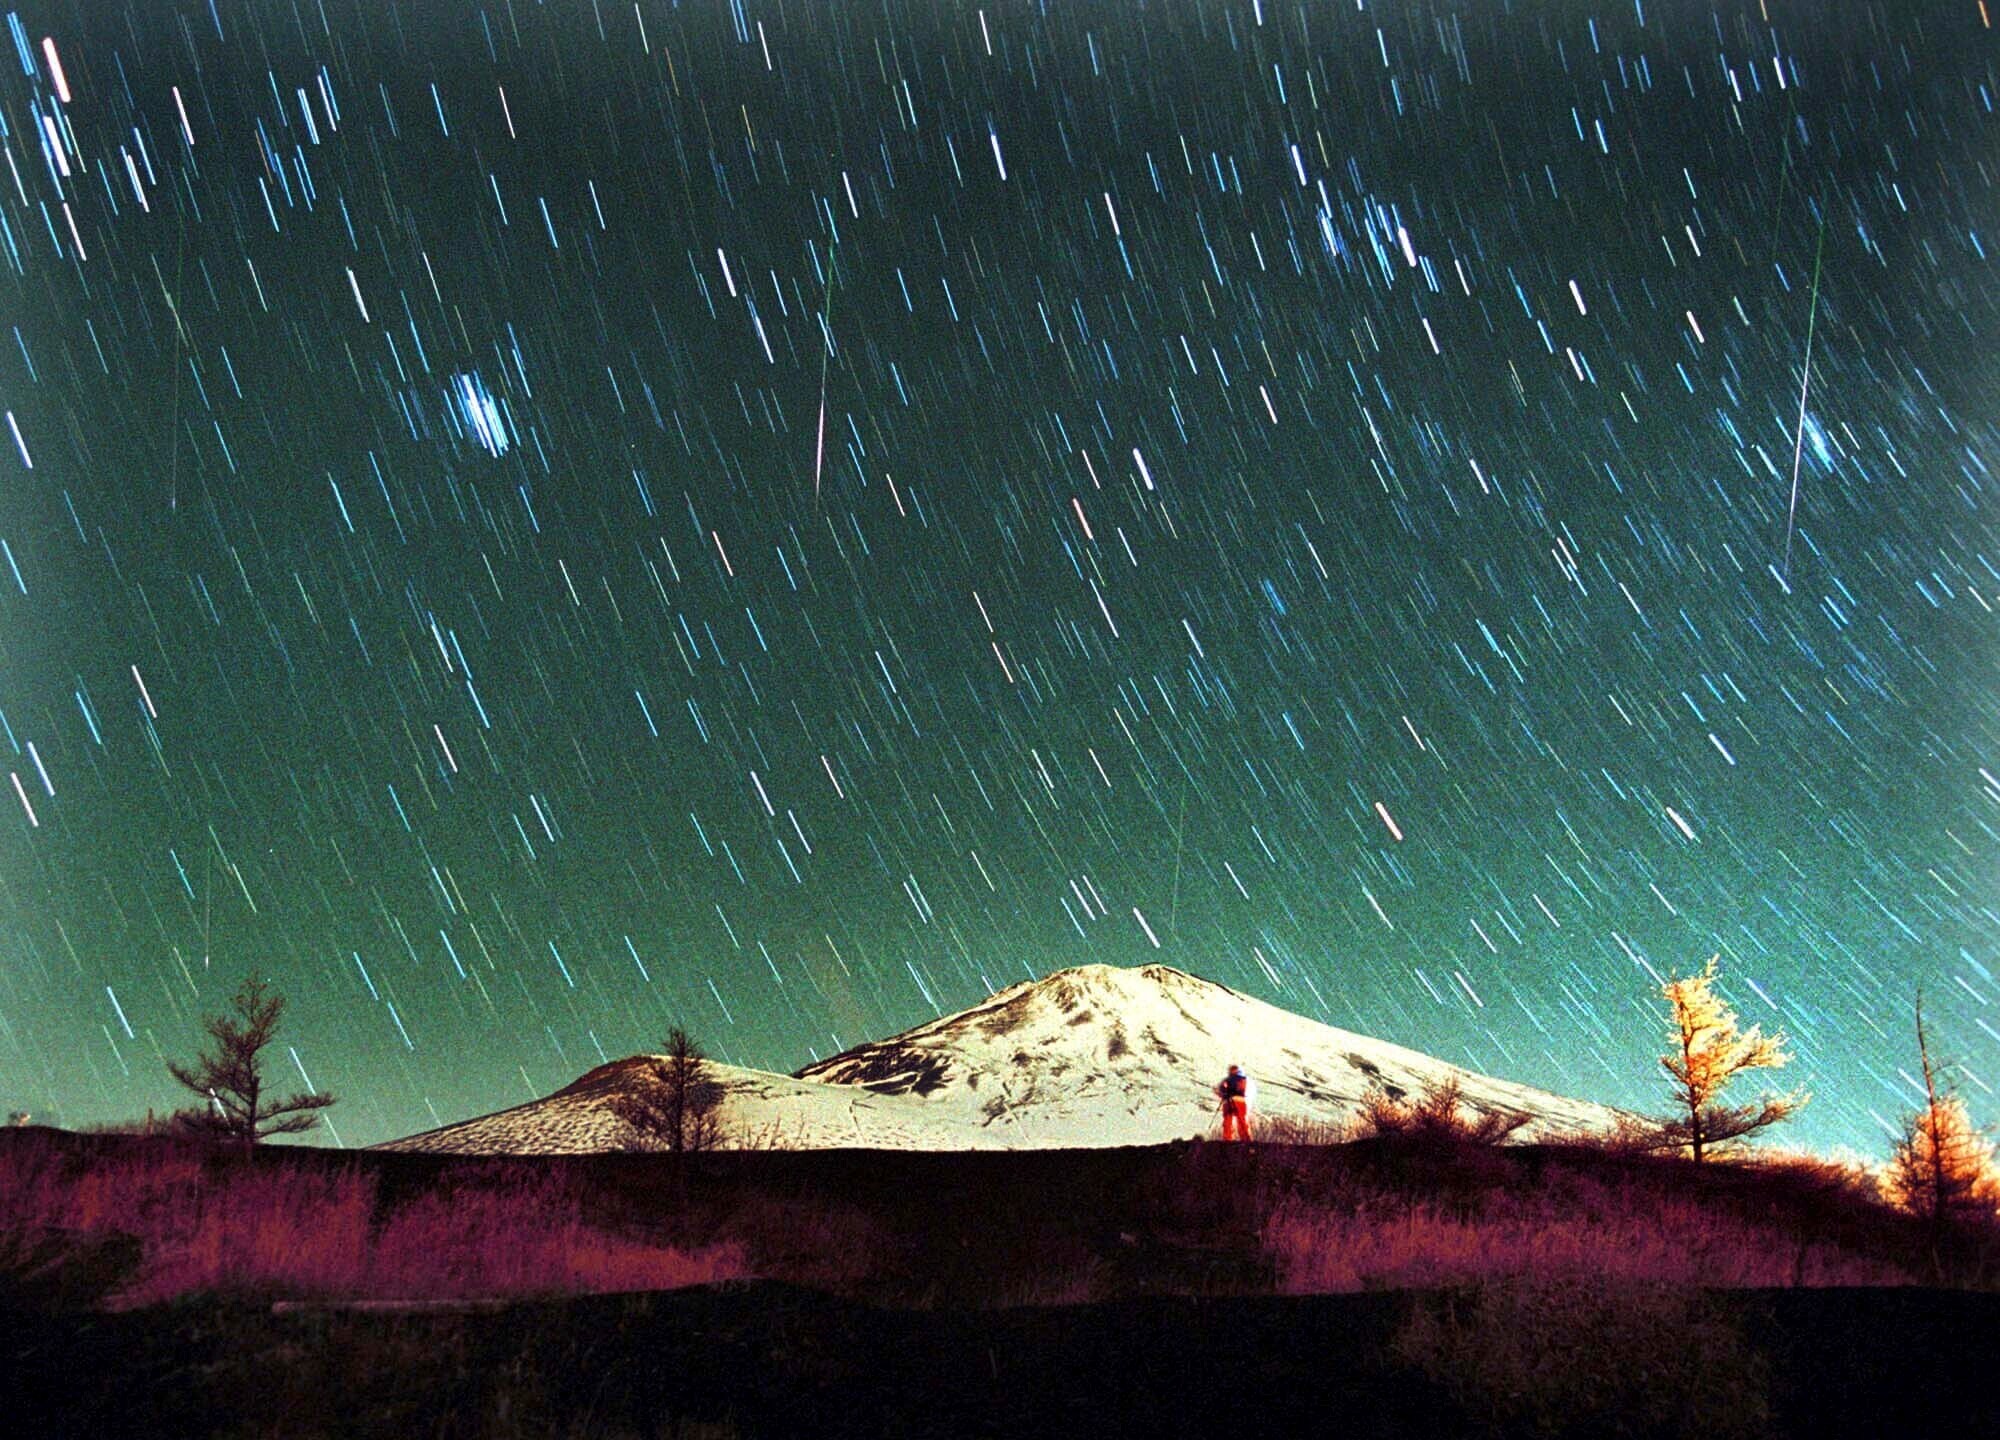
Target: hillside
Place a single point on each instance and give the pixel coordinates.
(149, 1285)
(1091, 1056)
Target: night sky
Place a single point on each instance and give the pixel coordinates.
(535, 522)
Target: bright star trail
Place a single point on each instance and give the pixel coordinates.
(1296, 492)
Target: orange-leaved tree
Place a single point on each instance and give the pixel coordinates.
(1941, 1168)
(1707, 1052)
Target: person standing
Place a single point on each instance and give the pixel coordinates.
(1234, 1092)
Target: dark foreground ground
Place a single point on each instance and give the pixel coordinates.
(1147, 1293)
(768, 1360)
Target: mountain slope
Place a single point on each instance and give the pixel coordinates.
(1115, 1056)
(1092, 1056)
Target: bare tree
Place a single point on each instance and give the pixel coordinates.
(677, 1104)
(1941, 1168)
(1707, 1053)
(230, 1076)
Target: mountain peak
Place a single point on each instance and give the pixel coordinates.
(1080, 985)
(1124, 979)
(1146, 1044)
(1058, 1023)
(1092, 1055)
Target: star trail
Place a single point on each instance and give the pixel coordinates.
(536, 522)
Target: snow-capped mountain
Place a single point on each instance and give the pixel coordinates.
(1094, 1056)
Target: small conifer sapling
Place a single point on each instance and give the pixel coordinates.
(229, 1076)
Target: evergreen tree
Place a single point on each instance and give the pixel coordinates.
(230, 1076)
(677, 1105)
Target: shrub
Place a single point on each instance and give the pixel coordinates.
(1567, 1352)
(1440, 1113)
(522, 1236)
(149, 1124)
(1424, 1246)
(818, 1243)
(1304, 1130)
(209, 1219)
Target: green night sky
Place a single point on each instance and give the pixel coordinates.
(533, 523)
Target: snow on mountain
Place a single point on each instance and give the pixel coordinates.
(1094, 1056)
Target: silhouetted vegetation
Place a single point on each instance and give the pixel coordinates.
(1439, 1113)
(1391, 1212)
(150, 1123)
(205, 1220)
(1455, 1273)
(1566, 1351)
(676, 1107)
(229, 1076)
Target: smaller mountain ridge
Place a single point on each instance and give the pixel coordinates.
(1090, 1056)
